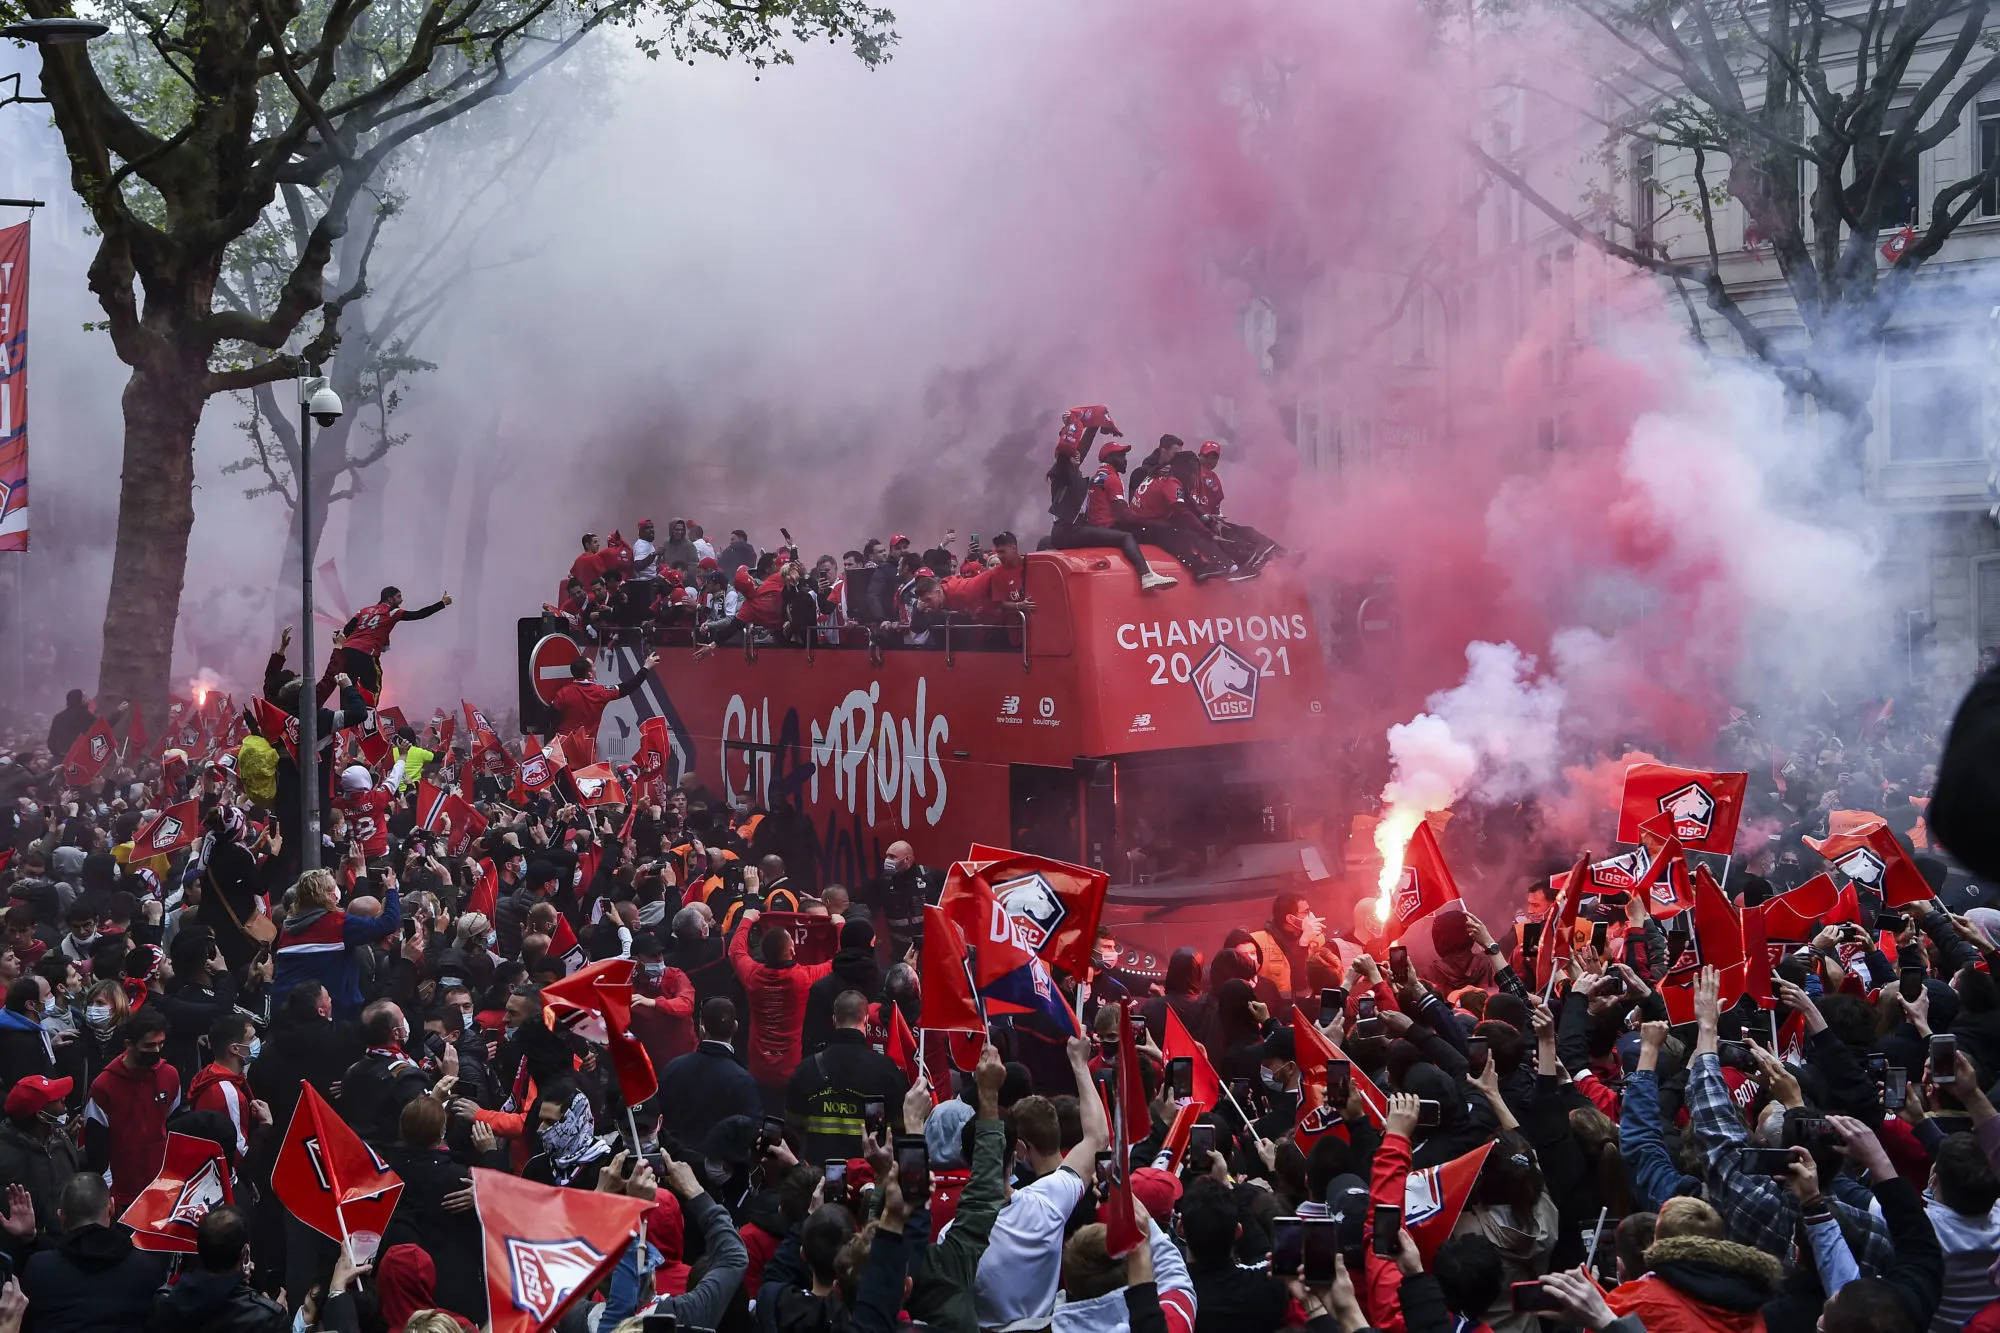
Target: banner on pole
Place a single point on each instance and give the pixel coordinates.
(14, 388)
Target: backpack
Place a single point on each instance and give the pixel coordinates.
(257, 769)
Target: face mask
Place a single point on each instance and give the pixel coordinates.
(889, 866)
(492, 938)
(98, 1015)
(653, 971)
(1271, 1080)
(256, 1047)
(144, 1059)
(50, 1008)
(465, 1020)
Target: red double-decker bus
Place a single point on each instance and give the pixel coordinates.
(1180, 740)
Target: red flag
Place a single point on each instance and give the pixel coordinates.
(173, 828)
(1705, 806)
(1718, 943)
(331, 1180)
(277, 726)
(193, 1179)
(1797, 916)
(1668, 890)
(1313, 1048)
(433, 805)
(89, 754)
(637, 1079)
(653, 757)
(488, 755)
(563, 944)
(1174, 1146)
(537, 770)
(1316, 1119)
(1130, 1120)
(1426, 884)
(1177, 1044)
(137, 742)
(467, 824)
(1559, 928)
(1435, 1196)
(578, 991)
(949, 1002)
(1894, 247)
(1868, 854)
(1757, 960)
(546, 1246)
(597, 785)
(901, 1045)
(1052, 907)
(1846, 906)
(1792, 1039)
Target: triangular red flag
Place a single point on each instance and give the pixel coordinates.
(597, 785)
(173, 828)
(537, 770)
(546, 1246)
(1756, 960)
(1797, 916)
(1669, 892)
(1558, 940)
(432, 805)
(1868, 854)
(1435, 1196)
(1176, 1043)
(193, 1179)
(901, 1045)
(332, 1181)
(487, 754)
(467, 824)
(1316, 1119)
(1130, 1121)
(1717, 942)
(1425, 885)
(89, 754)
(654, 755)
(637, 1079)
(1846, 906)
(278, 728)
(1174, 1146)
(1313, 1048)
(137, 742)
(949, 1001)
(1705, 806)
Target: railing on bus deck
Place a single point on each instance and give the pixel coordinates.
(950, 655)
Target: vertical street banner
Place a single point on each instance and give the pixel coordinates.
(14, 388)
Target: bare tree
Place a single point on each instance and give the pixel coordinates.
(253, 96)
(1811, 114)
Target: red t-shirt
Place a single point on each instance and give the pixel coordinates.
(1104, 506)
(372, 625)
(1207, 496)
(368, 819)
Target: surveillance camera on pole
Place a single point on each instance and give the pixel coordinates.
(317, 402)
(325, 405)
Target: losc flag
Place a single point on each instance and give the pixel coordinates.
(1864, 850)
(1435, 1196)
(950, 1004)
(1705, 806)
(1051, 907)
(332, 1181)
(173, 828)
(277, 726)
(89, 754)
(1717, 942)
(597, 785)
(1668, 889)
(1426, 885)
(546, 1246)
(193, 1179)
(1797, 916)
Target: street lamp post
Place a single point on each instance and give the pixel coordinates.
(317, 402)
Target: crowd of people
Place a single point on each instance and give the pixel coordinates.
(1638, 1174)
(894, 594)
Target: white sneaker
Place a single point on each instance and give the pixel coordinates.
(1149, 581)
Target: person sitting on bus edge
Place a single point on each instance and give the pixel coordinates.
(1159, 515)
(762, 607)
(1249, 548)
(994, 590)
(1084, 510)
(579, 705)
(1156, 463)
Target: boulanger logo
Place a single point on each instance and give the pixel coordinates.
(1226, 685)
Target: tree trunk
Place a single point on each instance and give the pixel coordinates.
(163, 401)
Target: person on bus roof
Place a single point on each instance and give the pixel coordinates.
(1159, 514)
(1076, 503)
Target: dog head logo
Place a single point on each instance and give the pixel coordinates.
(1620, 873)
(1226, 685)
(535, 771)
(1692, 810)
(1423, 1197)
(202, 1192)
(1864, 867)
(589, 788)
(100, 748)
(546, 1272)
(168, 833)
(1027, 912)
(1409, 896)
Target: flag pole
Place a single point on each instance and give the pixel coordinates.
(1590, 1258)
(632, 1125)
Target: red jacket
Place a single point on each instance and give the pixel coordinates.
(217, 1089)
(765, 606)
(776, 997)
(666, 1026)
(1388, 1184)
(1157, 499)
(125, 1124)
(580, 706)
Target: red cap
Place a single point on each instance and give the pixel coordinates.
(708, 562)
(897, 540)
(34, 1092)
(1156, 1191)
(1209, 447)
(1115, 447)
(924, 572)
(744, 582)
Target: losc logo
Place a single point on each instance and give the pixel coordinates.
(1226, 685)
(1693, 811)
(1864, 867)
(1026, 912)
(545, 1272)
(198, 1195)
(1409, 899)
(168, 833)
(100, 748)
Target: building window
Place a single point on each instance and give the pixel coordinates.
(1896, 192)
(1986, 604)
(1989, 148)
(1936, 401)
(1645, 199)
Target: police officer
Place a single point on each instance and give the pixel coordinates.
(828, 1094)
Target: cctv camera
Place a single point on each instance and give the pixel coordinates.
(325, 406)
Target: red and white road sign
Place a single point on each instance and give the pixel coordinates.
(548, 664)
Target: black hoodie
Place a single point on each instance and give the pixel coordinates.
(853, 969)
(95, 1281)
